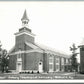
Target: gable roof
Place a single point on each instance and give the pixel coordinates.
(31, 45)
(11, 49)
(46, 49)
(52, 50)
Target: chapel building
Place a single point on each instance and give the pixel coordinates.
(28, 56)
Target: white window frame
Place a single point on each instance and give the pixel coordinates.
(57, 64)
(62, 61)
(51, 63)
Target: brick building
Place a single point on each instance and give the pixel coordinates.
(81, 66)
(26, 55)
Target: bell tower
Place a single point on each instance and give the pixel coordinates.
(24, 35)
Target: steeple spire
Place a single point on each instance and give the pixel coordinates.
(25, 19)
(25, 16)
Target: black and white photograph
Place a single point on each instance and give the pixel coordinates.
(41, 40)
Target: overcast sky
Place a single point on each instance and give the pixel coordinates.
(56, 24)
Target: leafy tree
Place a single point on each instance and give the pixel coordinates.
(4, 61)
(74, 64)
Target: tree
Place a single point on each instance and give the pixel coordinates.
(4, 59)
(74, 64)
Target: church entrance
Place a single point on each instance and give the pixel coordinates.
(19, 67)
(40, 66)
(19, 62)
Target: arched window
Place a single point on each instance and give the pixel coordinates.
(51, 63)
(62, 61)
(57, 63)
(62, 64)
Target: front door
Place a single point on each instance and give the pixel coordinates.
(19, 67)
(40, 67)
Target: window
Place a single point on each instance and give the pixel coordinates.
(66, 61)
(51, 66)
(57, 66)
(57, 60)
(57, 63)
(62, 61)
(51, 59)
(62, 67)
(51, 63)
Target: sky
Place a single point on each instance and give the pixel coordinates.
(55, 24)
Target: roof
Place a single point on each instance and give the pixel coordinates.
(11, 49)
(45, 49)
(31, 45)
(25, 16)
(53, 51)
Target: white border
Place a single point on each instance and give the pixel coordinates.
(42, 81)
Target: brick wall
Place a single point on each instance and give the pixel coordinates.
(45, 62)
(82, 60)
(20, 41)
(12, 62)
(32, 60)
(24, 37)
